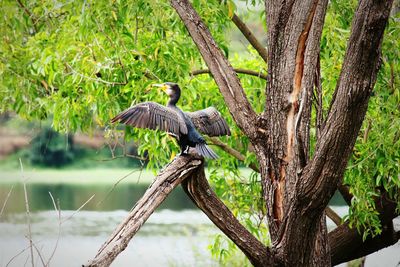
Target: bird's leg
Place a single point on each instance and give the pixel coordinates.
(184, 150)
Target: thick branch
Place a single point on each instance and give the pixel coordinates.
(171, 176)
(232, 152)
(349, 104)
(200, 192)
(223, 73)
(251, 38)
(242, 71)
(347, 244)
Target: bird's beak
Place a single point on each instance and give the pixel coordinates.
(163, 86)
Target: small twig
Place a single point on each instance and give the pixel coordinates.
(233, 152)
(58, 210)
(72, 215)
(40, 254)
(5, 201)
(16, 255)
(94, 79)
(242, 71)
(122, 156)
(250, 37)
(28, 217)
(114, 186)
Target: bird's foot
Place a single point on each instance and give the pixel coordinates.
(183, 153)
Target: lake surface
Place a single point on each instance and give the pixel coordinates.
(177, 234)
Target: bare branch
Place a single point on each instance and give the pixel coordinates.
(75, 212)
(333, 216)
(58, 210)
(222, 71)
(6, 200)
(250, 37)
(116, 183)
(242, 71)
(170, 177)
(233, 152)
(28, 216)
(347, 244)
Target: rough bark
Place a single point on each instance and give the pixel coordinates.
(170, 177)
(294, 32)
(296, 188)
(200, 192)
(347, 244)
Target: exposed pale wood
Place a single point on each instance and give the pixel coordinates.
(171, 176)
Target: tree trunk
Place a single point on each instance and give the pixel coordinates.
(296, 185)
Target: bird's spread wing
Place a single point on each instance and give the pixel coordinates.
(210, 122)
(153, 116)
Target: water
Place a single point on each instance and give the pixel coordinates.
(177, 234)
(169, 238)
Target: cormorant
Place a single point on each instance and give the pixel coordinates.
(184, 126)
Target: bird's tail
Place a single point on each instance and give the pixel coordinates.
(205, 151)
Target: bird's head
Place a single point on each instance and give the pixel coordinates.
(171, 89)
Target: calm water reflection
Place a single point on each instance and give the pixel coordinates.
(72, 196)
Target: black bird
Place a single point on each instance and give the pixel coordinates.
(184, 126)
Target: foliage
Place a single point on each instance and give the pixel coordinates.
(79, 63)
(375, 163)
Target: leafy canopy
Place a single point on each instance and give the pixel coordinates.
(79, 63)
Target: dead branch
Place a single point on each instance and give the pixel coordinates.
(28, 216)
(171, 176)
(5, 201)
